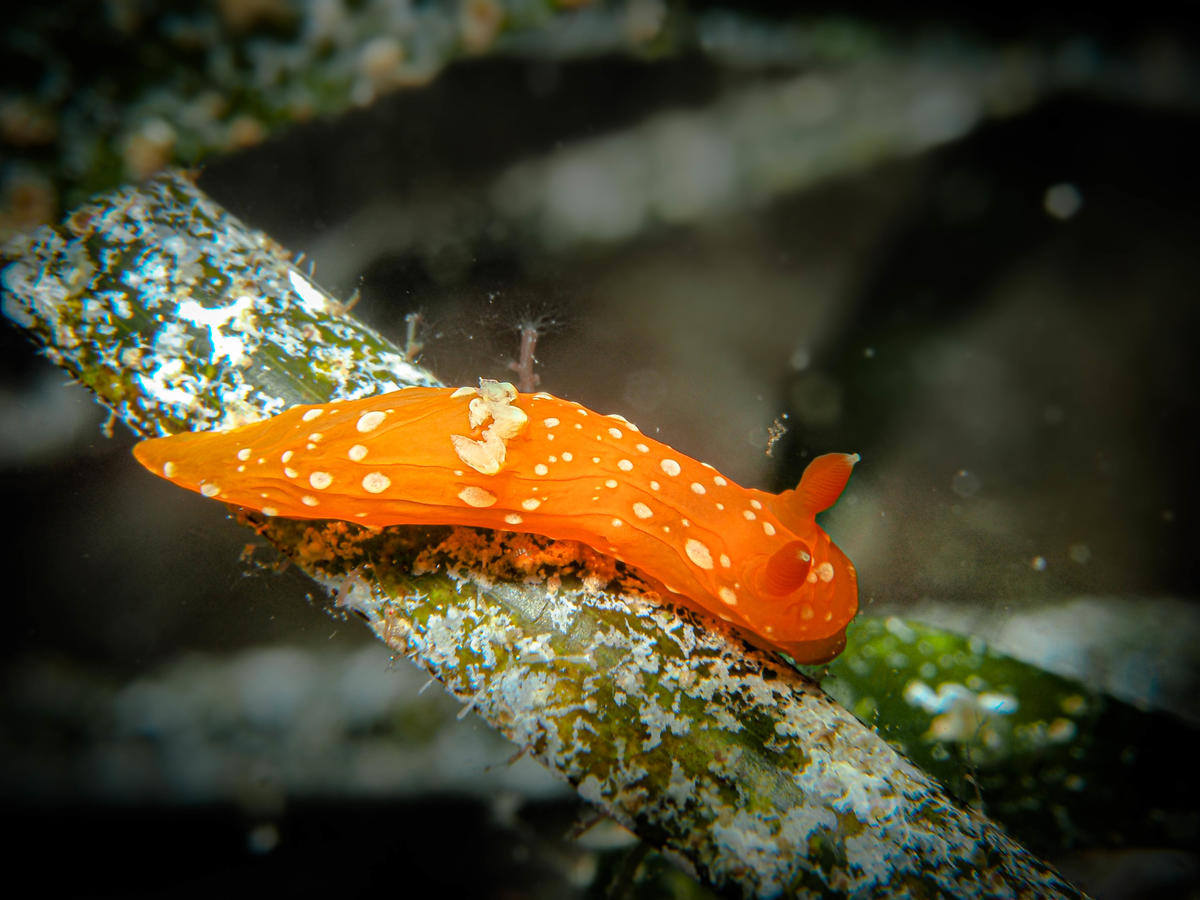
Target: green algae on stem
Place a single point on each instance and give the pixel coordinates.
(740, 768)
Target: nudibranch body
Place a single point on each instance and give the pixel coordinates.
(494, 458)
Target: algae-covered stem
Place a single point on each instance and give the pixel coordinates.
(178, 316)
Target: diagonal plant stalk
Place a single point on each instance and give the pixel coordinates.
(743, 770)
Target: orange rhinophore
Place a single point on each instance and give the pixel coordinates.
(495, 458)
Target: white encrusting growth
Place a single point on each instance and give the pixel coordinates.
(495, 402)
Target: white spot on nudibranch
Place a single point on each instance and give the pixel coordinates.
(541, 469)
(616, 433)
(476, 496)
(320, 480)
(727, 595)
(369, 421)
(611, 483)
(208, 489)
(244, 454)
(550, 422)
(825, 571)
(641, 510)
(169, 469)
(531, 504)
(698, 552)
(269, 511)
(624, 465)
(309, 500)
(698, 488)
(357, 452)
(670, 466)
(725, 561)
(287, 454)
(376, 482)
(768, 529)
(719, 481)
(513, 519)
(311, 414)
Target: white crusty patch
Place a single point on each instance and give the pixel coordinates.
(494, 402)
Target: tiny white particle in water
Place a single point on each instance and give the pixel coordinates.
(965, 484)
(1062, 201)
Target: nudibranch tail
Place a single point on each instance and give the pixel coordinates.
(494, 458)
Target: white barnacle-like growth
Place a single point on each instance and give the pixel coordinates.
(493, 401)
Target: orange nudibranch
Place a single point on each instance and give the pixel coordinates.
(494, 458)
